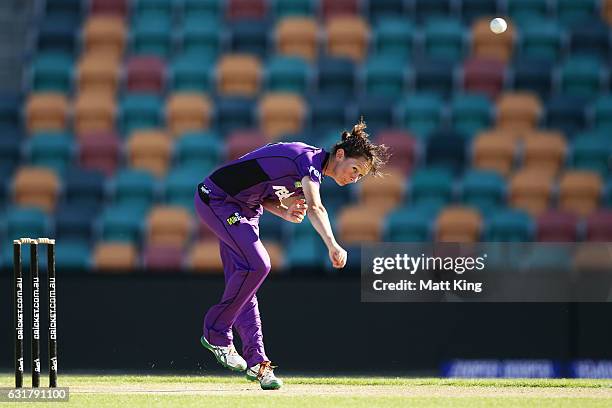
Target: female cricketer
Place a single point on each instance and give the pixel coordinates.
(231, 200)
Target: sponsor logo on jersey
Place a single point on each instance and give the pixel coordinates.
(314, 173)
(235, 218)
(282, 192)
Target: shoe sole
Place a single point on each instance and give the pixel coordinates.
(273, 386)
(210, 347)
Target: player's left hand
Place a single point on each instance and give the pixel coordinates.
(296, 211)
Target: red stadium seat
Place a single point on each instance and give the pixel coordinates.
(557, 226)
(484, 75)
(241, 142)
(163, 258)
(145, 74)
(333, 8)
(599, 226)
(402, 146)
(99, 151)
(118, 7)
(246, 9)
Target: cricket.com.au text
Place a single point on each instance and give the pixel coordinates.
(413, 264)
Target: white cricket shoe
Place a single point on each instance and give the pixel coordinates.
(227, 356)
(264, 373)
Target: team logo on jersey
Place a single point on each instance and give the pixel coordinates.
(314, 173)
(235, 218)
(282, 192)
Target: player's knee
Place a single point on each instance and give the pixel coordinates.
(261, 267)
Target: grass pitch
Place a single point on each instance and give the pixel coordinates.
(308, 392)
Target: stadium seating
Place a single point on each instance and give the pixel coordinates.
(128, 105)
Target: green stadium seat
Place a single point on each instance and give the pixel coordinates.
(151, 35)
(484, 190)
(421, 113)
(72, 256)
(26, 222)
(410, 223)
(602, 112)
(200, 36)
(52, 72)
(52, 150)
(122, 223)
(285, 8)
(163, 7)
(198, 150)
(394, 36)
(571, 12)
(287, 74)
(542, 40)
(431, 186)
(140, 111)
(527, 10)
(509, 225)
(470, 113)
(384, 76)
(202, 8)
(135, 188)
(180, 184)
(443, 39)
(581, 76)
(592, 150)
(191, 72)
(304, 254)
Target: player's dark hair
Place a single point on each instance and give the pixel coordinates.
(356, 143)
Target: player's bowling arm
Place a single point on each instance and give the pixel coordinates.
(317, 214)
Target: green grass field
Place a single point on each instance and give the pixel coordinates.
(234, 391)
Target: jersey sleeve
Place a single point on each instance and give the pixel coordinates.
(306, 166)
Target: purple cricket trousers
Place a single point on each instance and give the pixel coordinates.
(246, 264)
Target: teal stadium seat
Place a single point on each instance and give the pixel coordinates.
(541, 40)
(509, 225)
(431, 186)
(410, 223)
(424, 9)
(484, 190)
(571, 12)
(72, 256)
(443, 39)
(151, 35)
(202, 8)
(285, 8)
(470, 113)
(52, 150)
(581, 76)
(122, 223)
(140, 111)
(52, 72)
(384, 9)
(287, 74)
(180, 184)
(272, 228)
(201, 36)
(135, 188)
(305, 253)
(421, 113)
(191, 72)
(394, 37)
(591, 150)
(527, 10)
(384, 76)
(198, 149)
(602, 112)
(26, 222)
(473, 9)
(163, 7)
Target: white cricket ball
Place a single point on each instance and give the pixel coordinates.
(498, 25)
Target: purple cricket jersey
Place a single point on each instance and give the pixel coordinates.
(272, 171)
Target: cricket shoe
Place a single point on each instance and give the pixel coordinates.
(227, 356)
(264, 373)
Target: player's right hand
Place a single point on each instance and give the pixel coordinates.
(337, 256)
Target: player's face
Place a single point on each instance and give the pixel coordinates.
(350, 169)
